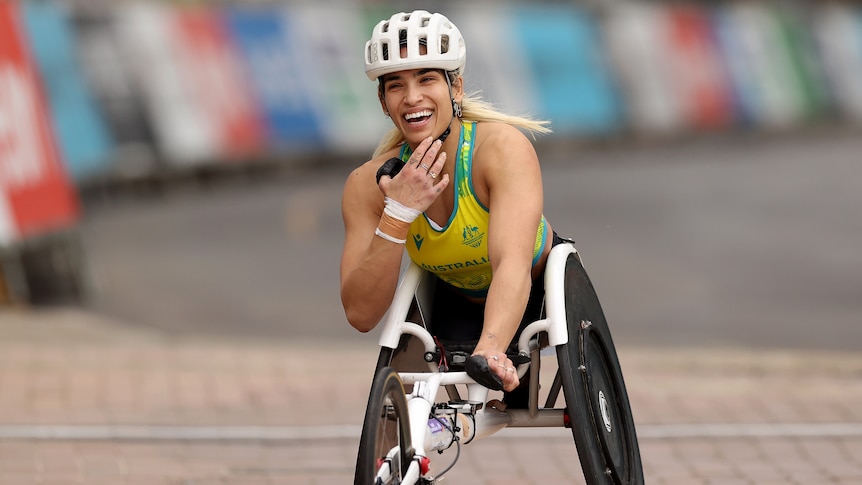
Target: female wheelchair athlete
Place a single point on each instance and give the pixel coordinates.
(400, 428)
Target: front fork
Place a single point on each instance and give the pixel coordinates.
(437, 427)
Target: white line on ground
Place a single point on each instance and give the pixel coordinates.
(301, 433)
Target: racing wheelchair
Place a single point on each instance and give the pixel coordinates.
(412, 414)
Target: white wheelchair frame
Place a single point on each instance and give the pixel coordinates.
(476, 420)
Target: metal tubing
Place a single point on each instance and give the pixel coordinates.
(490, 421)
(545, 418)
(412, 474)
(419, 405)
(535, 367)
(392, 325)
(555, 297)
(445, 378)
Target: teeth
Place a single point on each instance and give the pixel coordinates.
(419, 114)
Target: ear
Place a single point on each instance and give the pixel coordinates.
(458, 90)
(382, 104)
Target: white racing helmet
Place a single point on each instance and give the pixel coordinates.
(444, 44)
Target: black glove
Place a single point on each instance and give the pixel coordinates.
(477, 368)
(390, 167)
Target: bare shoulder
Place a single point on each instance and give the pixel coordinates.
(360, 188)
(365, 174)
(503, 156)
(502, 142)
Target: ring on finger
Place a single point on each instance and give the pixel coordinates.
(423, 166)
(433, 175)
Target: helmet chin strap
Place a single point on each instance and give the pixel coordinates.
(445, 133)
(448, 129)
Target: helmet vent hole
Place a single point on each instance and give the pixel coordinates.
(425, 21)
(385, 28)
(444, 44)
(384, 50)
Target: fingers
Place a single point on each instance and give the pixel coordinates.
(428, 148)
(505, 369)
(437, 167)
(425, 157)
(422, 179)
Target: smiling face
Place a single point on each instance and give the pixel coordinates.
(419, 102)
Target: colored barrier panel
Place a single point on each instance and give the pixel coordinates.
(80, 129)
(838, 31)
(184, 131)
(561, 48)
(760, 61)
(116, 94)
(799, 44)
(348, 108)
(744, 85)
(35, 195)
(277, 63)
(638, 46)
(698, 72)
(212, 70)
(495, 67)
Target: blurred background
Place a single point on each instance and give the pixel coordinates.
(179, 165)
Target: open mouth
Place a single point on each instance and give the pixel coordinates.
(418, 117)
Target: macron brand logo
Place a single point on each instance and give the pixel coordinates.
(417, 239)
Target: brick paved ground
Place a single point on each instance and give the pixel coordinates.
(84, 400)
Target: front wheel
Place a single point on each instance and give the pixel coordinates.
(592, 381)
(384, 446)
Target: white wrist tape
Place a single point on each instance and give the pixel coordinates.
(389, 238)
(400, 211)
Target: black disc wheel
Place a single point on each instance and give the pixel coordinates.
(593, 386)
(384, 446)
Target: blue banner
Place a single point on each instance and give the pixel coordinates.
(272, 55)
(82, 135)
(739, 65)
(562, 47)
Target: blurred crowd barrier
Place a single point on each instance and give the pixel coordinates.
(98, 91)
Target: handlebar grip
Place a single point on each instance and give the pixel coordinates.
(477, 368)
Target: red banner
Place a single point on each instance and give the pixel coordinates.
(700, 78)
(212, 66)
(35, 195)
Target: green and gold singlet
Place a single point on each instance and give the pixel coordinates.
(457, 253)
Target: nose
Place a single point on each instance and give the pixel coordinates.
(413, 94)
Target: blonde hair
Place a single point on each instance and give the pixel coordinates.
(473, 108)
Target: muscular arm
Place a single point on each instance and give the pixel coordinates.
(510, 170)
(370, 265)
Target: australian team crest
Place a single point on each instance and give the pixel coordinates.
(472, 236)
